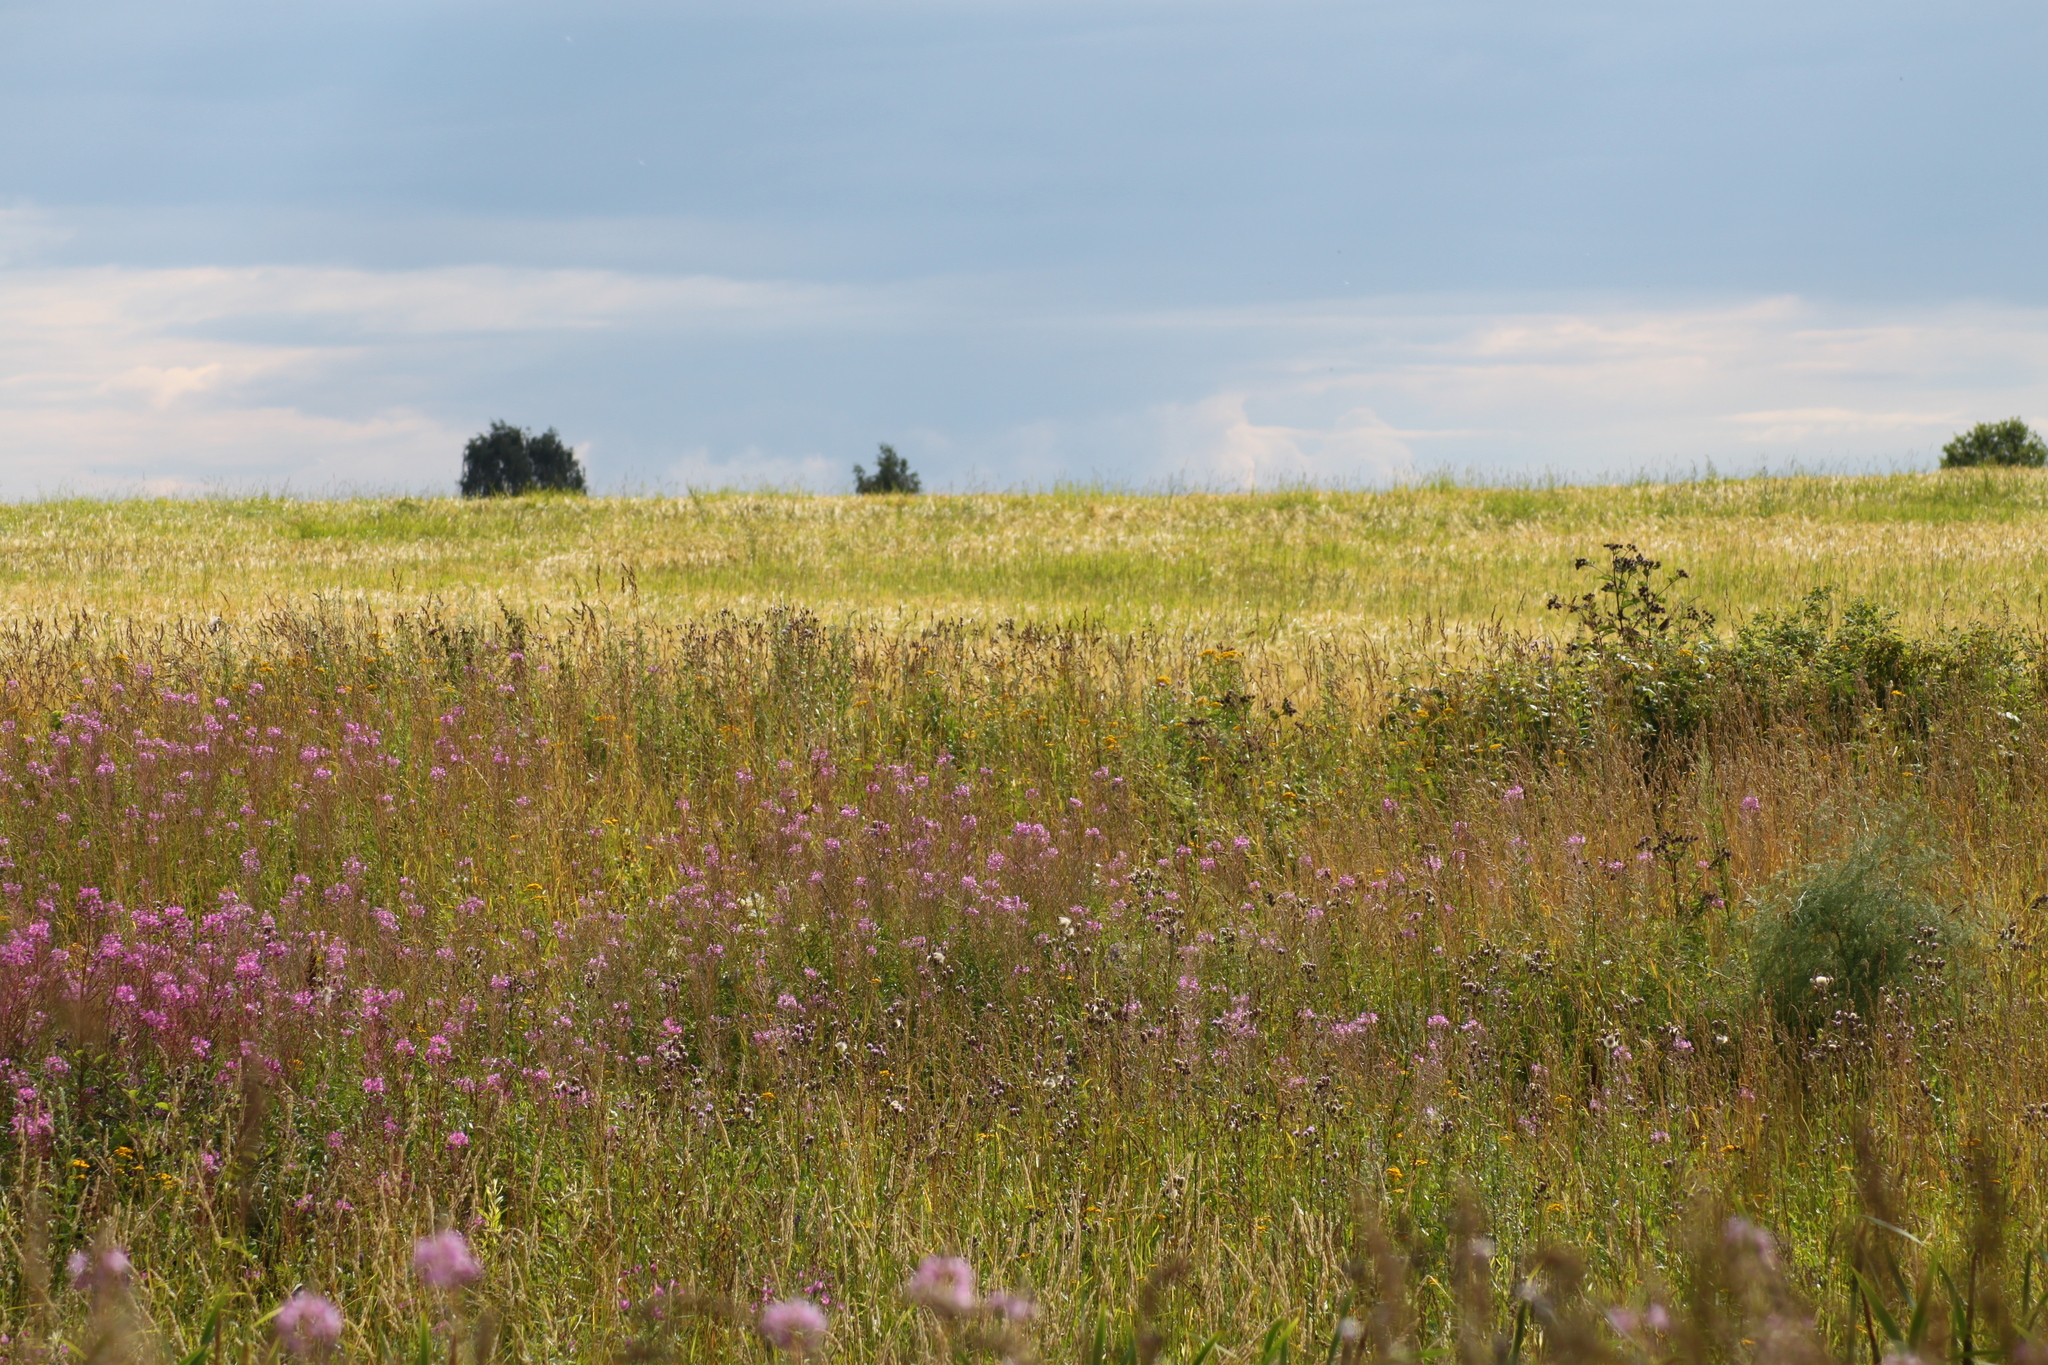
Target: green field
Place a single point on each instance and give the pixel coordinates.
(1938, 547)
(1226, 921)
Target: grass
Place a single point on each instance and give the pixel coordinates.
(1404, 563)
(1073, 890)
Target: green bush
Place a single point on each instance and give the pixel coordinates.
(1652, 654)
(507, 461)
(892, 475)
(2011, 442)
(1844, 933)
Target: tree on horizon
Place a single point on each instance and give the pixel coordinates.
(507, 461)
(892, 475)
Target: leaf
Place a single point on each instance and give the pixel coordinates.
(1278, 1345)
(1870, 1301)
(206, 1336)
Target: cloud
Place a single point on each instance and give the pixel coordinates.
(1217, 442)
(111, 377)
(1800, 424)
(318, 378)
(1620, 387)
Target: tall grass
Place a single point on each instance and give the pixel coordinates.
(1189, 987)
(1403, 566)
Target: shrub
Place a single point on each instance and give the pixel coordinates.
(1844, 934)
(2011, 442)
(892, 475)
(1649, 652)
(507, 461)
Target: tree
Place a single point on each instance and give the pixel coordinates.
(892, 475)
(2011, 442)
(507, 461)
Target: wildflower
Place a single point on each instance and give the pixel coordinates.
(944, 1284)
(458, 1140)
(1751, 805)
(1010, 1307)
(1742, 1235)
(308, 1325)
(108, 1268)
(794, 1325)
(444, 1260)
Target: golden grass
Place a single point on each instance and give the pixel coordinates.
(1412, 563)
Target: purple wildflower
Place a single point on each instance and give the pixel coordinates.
(444, 1260)
(100, 1270)
(795, 1325)
(308, 1325)
(944, 1284)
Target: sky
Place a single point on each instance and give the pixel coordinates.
(312, 248)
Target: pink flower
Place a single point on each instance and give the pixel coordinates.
(308, 1325)
(794, 1325)
(1013, 1307)
(1751, 805)
(102, 1270)
(444, 1260)
(944, 1284)
(458, 1139)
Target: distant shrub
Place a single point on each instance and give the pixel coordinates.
(2011, 442)
(1844, 933)
(507, 461)
(892, 475)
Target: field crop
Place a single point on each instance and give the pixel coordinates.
(1232, 971)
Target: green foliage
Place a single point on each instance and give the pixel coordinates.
(507, 461)
(1649, 652)
(1846, 932)
(1648, 668)
(2011, 442)
(892, 475)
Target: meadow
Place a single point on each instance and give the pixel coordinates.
(1236, 928)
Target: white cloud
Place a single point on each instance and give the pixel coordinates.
(317, 378)
(110, 376)
(1619, 388)
(754, 468)
(1217, 442)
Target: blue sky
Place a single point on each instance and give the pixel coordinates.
(1141, 241)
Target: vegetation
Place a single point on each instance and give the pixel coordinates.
(892, 475)
(1402, 568)
(507, 461)
(906, 987)
(2011, 442)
